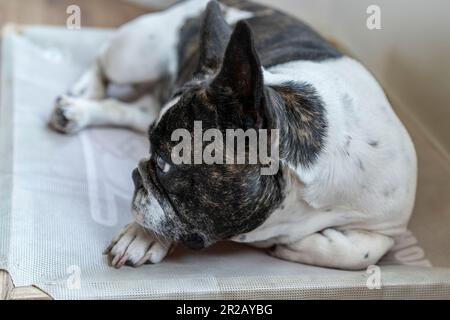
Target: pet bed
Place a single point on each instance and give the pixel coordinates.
(62, 199)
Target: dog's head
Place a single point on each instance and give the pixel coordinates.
(198, 204)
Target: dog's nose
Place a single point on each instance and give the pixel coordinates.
(193, 241)
(137, 179)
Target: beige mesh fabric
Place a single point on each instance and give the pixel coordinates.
(63, 197)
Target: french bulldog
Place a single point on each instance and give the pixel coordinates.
(346, 179)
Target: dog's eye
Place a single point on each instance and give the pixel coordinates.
(162, 164)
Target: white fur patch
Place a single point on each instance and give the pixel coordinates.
(155, 214)
(146, 48)
(365, 178)
(166, 108)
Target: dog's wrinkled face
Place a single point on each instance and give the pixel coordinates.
(199, 204)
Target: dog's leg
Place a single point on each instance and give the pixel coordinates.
(73, 114)
(135, 245)
(144, 50)
(342, 249)
(91, 84)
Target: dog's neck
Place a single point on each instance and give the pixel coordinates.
(298, 112)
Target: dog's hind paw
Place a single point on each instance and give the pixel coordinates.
(69, 116)
(135, 246)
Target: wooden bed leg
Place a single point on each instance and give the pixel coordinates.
(9, 292)
(6, 285)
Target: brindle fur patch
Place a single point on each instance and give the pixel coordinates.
(299, 113)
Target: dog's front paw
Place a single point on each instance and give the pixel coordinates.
(69, 115)
(135, 246)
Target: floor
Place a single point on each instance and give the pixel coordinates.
(98, 13)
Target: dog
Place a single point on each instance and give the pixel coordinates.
(346, 181)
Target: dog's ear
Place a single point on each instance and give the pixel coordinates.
(214, 36)
(241, 72)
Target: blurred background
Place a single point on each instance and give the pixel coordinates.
(409, 54)
(94, 13)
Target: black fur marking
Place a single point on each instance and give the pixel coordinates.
(366, 256)
(297, 110)
(278, 38)
(347, 101)
(389, 192)
(214, 36)
(360, 164)
(281, 38)
(60, 116)
(373, 143)
(348, 140)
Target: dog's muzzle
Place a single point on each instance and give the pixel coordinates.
(137, 179)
